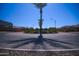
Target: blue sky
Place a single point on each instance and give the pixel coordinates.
(27, 15)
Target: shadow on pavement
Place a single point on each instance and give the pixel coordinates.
(40, 43)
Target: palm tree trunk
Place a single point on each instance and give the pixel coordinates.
(41, 21)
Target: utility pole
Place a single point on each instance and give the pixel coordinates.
(54, 24)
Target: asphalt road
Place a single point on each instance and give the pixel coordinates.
(49, 42)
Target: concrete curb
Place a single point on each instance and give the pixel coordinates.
(41, 49)
(23, 52)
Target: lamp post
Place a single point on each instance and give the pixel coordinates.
(40, 6)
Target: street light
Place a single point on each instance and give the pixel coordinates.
(54, 23)
(40, 6)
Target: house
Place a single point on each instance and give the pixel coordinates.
(4, 25)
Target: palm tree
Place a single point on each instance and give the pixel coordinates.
(40, 6)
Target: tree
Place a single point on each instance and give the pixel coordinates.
(40, 6)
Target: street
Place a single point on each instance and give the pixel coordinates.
(19, 40)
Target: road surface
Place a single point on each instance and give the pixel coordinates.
(57, 41)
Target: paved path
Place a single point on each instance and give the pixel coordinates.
(49, 42)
